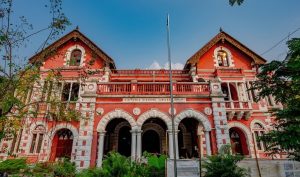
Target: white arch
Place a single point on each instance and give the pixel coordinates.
(193, 114)
(118, 113)
(69, 51)
(154, 113)
(247, 133)
(37, 123)
(259, 122)
(61, 126)
(230, 60)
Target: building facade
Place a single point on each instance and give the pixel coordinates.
(128, 111)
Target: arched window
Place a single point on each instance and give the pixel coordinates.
(222, 57)
(259, 130)
(37, 139)
(75, 58)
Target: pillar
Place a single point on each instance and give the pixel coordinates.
(139, 144)
(207, 142)
(171, 148)
(100, 148)
(133, 144)
(171, 152)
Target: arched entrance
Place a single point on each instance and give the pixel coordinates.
(124, 140)
(62, 144)
(151, 137)
(118, 137)
(154, 136)
(189, 139)
(238, 141)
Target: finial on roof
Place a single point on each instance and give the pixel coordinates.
(77, 28)
(221, 30)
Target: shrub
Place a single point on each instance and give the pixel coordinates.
(224, 164)
(13, 166)
(115, 165)
(64, 168)
(91, 172)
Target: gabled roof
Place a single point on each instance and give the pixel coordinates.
(222, 36)
(75, 34)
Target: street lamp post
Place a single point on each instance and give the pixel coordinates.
(171, 96)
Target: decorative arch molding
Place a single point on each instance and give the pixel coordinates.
(154, 113)
(193, 114)
(118, 113)
(68, 126)
(247, 133)
(69, 51)
(34, 125)
(259, 122)
(230, 59)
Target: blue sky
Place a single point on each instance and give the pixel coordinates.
(133, 32)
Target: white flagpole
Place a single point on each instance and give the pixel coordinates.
(171, 95)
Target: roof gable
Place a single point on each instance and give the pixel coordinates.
(222, 36)
(75, 34)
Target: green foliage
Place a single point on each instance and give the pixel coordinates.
(13, 166)
(281, 79)
(115, 165)
(156, 165)
(64, 168)
(91, 172)
(224, 165)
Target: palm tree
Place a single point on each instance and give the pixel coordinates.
(238, 2)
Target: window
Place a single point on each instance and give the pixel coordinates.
(222, 57)
(70, 92)
(258, 131)
(47, 90)
(75, 58)
(37, 139)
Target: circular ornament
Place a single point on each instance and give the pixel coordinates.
(136, 111)
(207, 111)
(91, 86)
(99, 111)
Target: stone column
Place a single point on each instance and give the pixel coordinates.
(171, 148)
(100, 148)
(171, 152)
(207, 142)
(139, 144)
(133, 145)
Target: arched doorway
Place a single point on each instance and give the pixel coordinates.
(62, 144)
(238, 141)
(118, 137)
(151, 142)
(124, 141)
(188, 139)
(154, 136)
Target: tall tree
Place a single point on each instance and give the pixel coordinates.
(281, 79)
(16, 81)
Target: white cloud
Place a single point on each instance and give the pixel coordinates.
(156, 65)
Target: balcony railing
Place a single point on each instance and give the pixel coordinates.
(148, 72)
(237, 105)
(148, 88)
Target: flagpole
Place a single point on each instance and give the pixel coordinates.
(171, 96)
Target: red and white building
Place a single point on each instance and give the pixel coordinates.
(128, 111)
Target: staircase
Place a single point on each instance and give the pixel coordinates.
(185, 168)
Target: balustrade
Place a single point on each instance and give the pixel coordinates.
(148, 72)
(152, 88)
